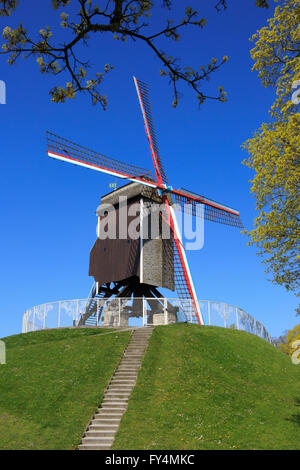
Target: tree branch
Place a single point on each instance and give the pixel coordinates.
(124, 20)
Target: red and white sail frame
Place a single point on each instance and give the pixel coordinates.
(67, 151)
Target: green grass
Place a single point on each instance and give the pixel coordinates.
(52, 383)
(212, 388)
(199, 388)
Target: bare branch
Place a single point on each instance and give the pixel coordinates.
(123, 19)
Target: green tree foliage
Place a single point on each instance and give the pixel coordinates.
(123, 19)
(274, 148)
(280, 342)
(286, 342)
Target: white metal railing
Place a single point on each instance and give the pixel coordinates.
(122, 312)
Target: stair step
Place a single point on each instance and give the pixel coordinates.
(127, 378)
(126, 384)
(129, 374)
(136, 350)
(132, 357)
(131, 360)
(109, 411)
(139, 354)
(130, 367)
(119, 385)
(100, 433)
(117, 414)
(141, 341)
(106, 420)
(94, 447)
(133, 353)
(118, 397)
(140, 347)
(115, 401)
(114, 405)
(118, 392)
(121, 380)
(97, 440)
(103, 427)
(131, 364)
(137, 340)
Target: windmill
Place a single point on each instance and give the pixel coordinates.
(153, 189)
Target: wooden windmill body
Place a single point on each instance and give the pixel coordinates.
(125, 266)
(135, 266)
(132, 260)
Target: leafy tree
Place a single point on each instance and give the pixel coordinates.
(286, 342)
(274, 148)
(123, 19)
(280, 342)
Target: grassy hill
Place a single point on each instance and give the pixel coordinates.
(212, 388)
(52, 383)
(199, 388)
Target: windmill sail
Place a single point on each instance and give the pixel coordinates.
(144, 100)
(201, 206)
(175, 254)
(65, 150)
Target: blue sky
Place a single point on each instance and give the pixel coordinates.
(48, 207)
